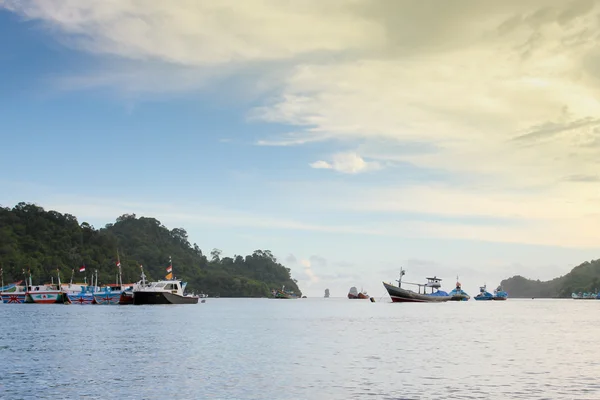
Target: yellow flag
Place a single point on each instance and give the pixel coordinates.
(169, 276)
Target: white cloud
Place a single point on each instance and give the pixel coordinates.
(348, 163)
(199, 33)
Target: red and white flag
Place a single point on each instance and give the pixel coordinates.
(119, 264)
(82, 268)
(169, 268)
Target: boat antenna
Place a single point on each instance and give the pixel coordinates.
(72, 273)
(2, 276)
(58, 274)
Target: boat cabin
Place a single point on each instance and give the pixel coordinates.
(433, 282)
(175, 287)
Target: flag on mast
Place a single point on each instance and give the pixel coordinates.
(169, 270)
(82, 268)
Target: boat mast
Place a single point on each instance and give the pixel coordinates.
(72, 273)
(119, 266)
(143, 276)
(402, 272)
(58, 275)
(2, 275)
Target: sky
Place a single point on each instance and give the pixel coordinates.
(349, 137)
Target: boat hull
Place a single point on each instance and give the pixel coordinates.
(49, 297)
(500, 298)
(359, 296)
(82, 299)
(13, 298)
(126, 298)
(400, 295)
(141, 298)
(107, 298)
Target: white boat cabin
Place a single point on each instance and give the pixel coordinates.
(175, 287)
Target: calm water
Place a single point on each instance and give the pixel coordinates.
(302, 349)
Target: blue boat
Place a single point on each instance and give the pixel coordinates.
(458, 294)
(500, 294)
(85, 296)
(484, 294)
(108, 296)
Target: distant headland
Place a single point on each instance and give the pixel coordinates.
(583, 278)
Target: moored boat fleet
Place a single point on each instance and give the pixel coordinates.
(167, 291)
(430, 292)
(585, 296)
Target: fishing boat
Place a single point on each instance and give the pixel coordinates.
(81, 294)
(14, 293)
(458, 294)
(46, 294)
(84, 296)
(500, 294)
(401, 295)
(584, 296)
(168, 291)
(484, 294)
(353, 293)
(283, 294)
(117, 293)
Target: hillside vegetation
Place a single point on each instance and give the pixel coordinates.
(32, 239)
(583, 278)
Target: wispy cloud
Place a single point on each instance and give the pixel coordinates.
(348, 163)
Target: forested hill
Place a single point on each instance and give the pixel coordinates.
(42, 241)
(583, 278)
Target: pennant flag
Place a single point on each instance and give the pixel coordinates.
(169, 268)
(82, 268)
(169, 276)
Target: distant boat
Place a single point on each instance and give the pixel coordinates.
(326, 293)
(584, 296)
(458, 294)
(401, 295)
(283, 294)
(484, 294)
(500, 294)
(353, 293)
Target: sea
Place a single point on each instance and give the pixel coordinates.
(312, 348)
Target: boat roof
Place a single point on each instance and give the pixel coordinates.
(435, 278)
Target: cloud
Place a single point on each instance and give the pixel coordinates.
(501, 97)
(348, 163)
(203, 32)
